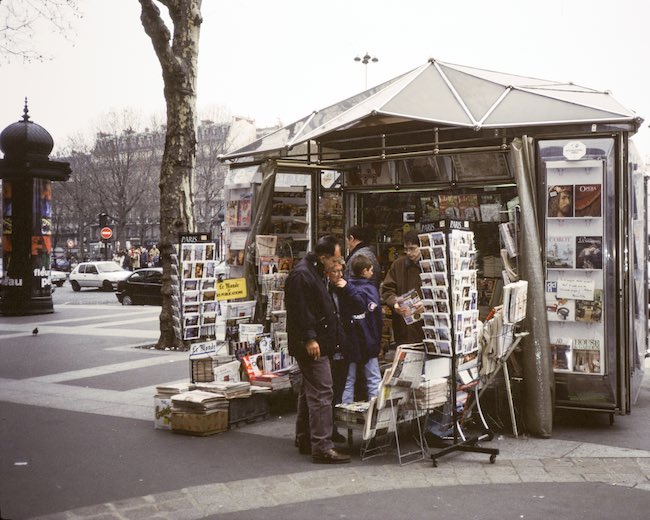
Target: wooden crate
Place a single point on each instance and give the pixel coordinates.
(200, 424)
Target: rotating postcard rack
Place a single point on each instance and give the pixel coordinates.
(451, 320)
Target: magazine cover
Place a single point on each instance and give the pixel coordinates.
(561, 353)
(244, 213)
(590, 311)
(558, 309)
(560, 201)
(449, 206)
(560, 252)
(468, 206)
(408, 302)
(589, 252)
(586, 356)
(588, 200)
(430, 208)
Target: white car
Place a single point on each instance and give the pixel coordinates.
(104, 275)
(58, 278)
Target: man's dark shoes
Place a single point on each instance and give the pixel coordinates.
(304, 447)
(330, 457)
(338, 438)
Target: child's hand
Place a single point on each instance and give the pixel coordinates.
(341, 282)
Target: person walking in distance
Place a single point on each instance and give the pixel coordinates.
(311, 330)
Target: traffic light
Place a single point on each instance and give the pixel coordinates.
(103, 220)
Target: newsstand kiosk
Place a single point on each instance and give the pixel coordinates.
(446, 140)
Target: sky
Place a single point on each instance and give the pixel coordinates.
(277, 61)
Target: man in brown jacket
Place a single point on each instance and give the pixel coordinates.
(404, 275)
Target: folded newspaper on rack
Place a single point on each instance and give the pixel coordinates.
(515, 299)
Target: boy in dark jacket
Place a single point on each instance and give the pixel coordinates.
(361, 312)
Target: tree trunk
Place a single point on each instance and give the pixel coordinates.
(178, 57)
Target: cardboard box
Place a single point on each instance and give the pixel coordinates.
(163, 413)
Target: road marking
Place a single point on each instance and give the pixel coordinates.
(109, 369)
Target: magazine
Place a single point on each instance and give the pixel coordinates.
(449, 206)
(558, 309)
(508, 236)
(586, 356)
(590, 311)
(468, 206)
(588, 200)
(559, 252)
(408, 302)
(430, 208)
(560, 201)
(561, 353)
(589, 252)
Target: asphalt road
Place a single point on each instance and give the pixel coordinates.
(64, 295)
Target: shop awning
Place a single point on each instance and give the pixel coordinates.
(445, 95)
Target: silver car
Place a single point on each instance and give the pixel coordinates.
(103, 275)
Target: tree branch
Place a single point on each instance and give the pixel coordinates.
(160, 36)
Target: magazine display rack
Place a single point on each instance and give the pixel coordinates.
(449, 287)
(574, 266)
(396, 405)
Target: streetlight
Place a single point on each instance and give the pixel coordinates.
(365, 60)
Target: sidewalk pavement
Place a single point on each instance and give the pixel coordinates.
(620, 458)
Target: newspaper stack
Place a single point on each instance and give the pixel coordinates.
(226, 389)
(432, 393)
(351, 413)
(274, 381)
(198, 401)
(173, 389)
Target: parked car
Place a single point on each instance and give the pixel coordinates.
(142, 287)
(104, 275)
(58, 278)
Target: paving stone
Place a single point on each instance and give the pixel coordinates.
(137, 513)
(179, 504)
(504, 479)
(95, 510)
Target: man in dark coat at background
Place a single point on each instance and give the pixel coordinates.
(311, 328)
(404, 275)
(358, 242)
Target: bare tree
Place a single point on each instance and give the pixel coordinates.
(76, 205)
(124, 170)
(177, 51)
(213, 140)
(21, 20)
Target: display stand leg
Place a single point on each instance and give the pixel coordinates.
(469, 445)
(513, 419)
(418, 454)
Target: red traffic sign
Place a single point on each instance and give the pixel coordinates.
(106, 233)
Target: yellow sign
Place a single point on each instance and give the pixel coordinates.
(231, 289)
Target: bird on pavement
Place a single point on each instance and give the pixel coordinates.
(35, 331)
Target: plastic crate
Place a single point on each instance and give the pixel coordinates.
(248, 409)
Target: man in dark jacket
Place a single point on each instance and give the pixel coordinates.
(311, 328)
(404, 275)
(358, 243)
